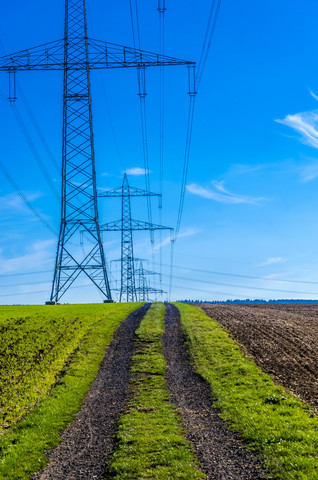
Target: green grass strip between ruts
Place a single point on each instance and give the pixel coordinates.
(150, 438)
(272, 421)
(22, 450)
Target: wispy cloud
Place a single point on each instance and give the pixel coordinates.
(309, 172)
(220, 194)
(39, 253)
(187, 233)
(243, 169)
(277, 276)
(13, 200)
(305, 123)
(313, 94)
(136, 171)
(271, 261)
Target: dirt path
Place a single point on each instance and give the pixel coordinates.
(220, 452)
(283, 340)
(89, 439)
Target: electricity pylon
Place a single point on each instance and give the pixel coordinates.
(126, 225)
(144, 290)
(76, 54)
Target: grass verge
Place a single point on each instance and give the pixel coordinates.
(36, 343)
(150, 437)
(273, 422)
(22, 451)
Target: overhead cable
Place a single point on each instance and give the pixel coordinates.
(161, 9)
(38, 129)
(195, 78)
(238, 275)
(34, 150)
(28, 138)
(35, 212)
(23, 273)
(209, 33)
(141, 78)
(207, 282)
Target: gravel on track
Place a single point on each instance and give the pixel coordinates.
(283, 340)
(221, 453)
(89, 440)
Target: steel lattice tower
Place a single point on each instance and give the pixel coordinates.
(126, 225)
(143, 290)
(79, 198)
(76, 54)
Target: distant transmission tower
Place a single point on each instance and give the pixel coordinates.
(126, 225)
(144, 290)
(76, 54)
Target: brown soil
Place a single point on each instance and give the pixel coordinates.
(89, 440)
(221, 453)
(283, 340)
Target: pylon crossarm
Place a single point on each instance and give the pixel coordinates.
(146, 272)
(138, 225)
(135, 225)
(110, 55)
(50, 56)
(133, 192)
(150, 290)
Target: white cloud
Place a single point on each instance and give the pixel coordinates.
(277, 276)
(13, 200)
(271, 261)
(136, 171)
(309, 172)
(313, 94)
(39, 256)
(305, 123)
(221, 194)
(243, 169)
(167, 240)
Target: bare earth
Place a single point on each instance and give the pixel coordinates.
(283, 340)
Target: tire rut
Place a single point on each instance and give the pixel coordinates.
(89, 440)
(221, 453)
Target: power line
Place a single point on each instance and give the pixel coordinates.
(210, 293)
(91, 21)
(185, 163)
(41, 291)
(33, 149)
(23, 273)
(38, 129)
(194, 83)
(238, 275)
(209, 33)
(241, 286)
(141, 78)
(35, 212)
(27, 136)
(161, 9)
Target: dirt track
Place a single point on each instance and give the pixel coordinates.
(283, 340)
(221, 453)
(89, 440)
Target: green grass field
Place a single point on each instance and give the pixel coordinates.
(49, 357)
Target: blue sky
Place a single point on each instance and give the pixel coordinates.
(250, 225)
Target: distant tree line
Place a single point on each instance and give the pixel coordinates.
(248, 301)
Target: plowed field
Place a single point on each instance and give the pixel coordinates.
(283, 340)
